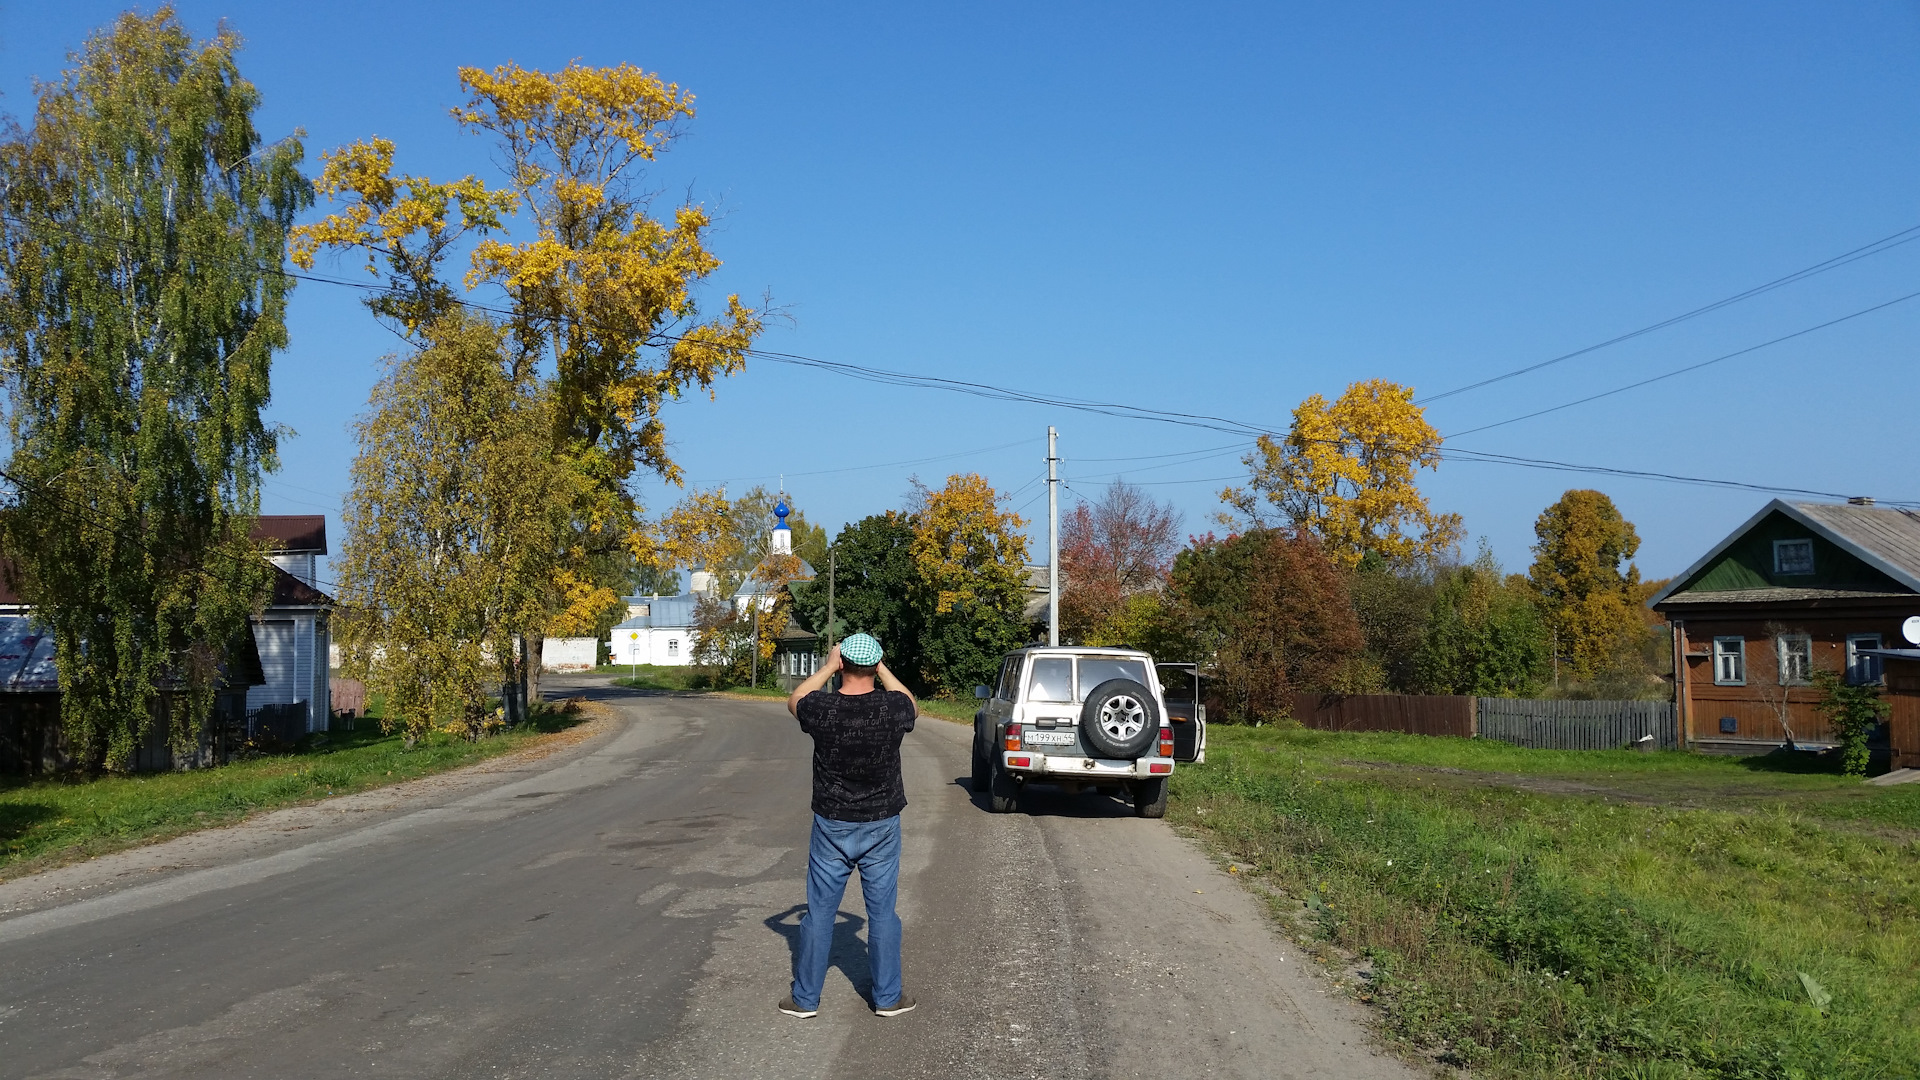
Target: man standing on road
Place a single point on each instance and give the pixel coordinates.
(857, 798)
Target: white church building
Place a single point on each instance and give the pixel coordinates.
(659, 630)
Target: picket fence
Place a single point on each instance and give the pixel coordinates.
(1576, 725)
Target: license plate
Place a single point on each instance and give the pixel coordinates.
(1050, 738)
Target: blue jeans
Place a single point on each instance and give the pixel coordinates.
(837, 847)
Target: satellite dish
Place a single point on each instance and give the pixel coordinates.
(1911, 629)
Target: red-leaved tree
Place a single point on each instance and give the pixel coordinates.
(1110, 551)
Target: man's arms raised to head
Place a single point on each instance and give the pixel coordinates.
(889, 682)
(815, 681)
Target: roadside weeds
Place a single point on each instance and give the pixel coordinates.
(1528, 933)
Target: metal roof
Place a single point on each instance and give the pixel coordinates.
(26, 656)
(1746, 596)
(1884, 538)
(27, 659)
(296, 534)
(663, 612)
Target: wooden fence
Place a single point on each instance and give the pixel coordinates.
(1411, 713)
(349, 697)
(1537, 724)
(1577, 725)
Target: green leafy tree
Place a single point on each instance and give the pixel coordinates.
(1273, 616)
(456, 523)
(1590, 601)
(141, 303)
(1854, 710)
(1391, 603)
(1484, 636)
(876, 585)
(647, 579)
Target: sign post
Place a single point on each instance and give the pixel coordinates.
(633, 665)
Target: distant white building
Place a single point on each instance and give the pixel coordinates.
(658, 630)
(293, 633)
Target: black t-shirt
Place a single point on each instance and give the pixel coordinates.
(856, 752)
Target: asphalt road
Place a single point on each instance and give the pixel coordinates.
(626, 908)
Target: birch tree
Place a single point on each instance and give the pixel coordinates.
(143, 221)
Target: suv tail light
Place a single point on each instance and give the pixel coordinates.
(1166, 742)
(1013, 737)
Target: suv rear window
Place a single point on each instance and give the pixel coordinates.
(1051, 680)
(1096, 670)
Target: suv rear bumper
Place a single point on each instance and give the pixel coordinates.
(1085, 768)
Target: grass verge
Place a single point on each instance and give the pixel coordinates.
(45, 822)
(957, 710)
(1526, 932)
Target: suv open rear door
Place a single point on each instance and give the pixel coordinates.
(1180, 687)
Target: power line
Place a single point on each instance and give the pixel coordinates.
(1223, 424)
(1683, 370)
(884, 465)
(1156, 457)
(1885, 243)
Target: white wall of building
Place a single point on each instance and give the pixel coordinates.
(568, 654)
(291, 645)
(664, 646)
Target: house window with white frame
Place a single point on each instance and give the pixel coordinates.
(1729, 661)
(1792, 557)
(1795, 652)
(673, 646)
(1863, 670)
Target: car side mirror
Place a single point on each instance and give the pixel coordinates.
(982, 692)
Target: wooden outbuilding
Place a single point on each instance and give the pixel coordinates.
(1797, 588)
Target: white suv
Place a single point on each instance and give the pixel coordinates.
(1083, 717)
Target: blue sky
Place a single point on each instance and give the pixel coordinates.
(1207, 208)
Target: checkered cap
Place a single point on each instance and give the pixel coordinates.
(861, 649)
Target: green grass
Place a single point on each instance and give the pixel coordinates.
(43, 822)
(648, 676)
(1609, 914)
(958, 710)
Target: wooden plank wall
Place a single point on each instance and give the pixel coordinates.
(1412, 713)
(1903, 727)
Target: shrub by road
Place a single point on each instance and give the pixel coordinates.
(1542, 913)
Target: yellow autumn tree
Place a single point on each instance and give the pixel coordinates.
(450, 528)
(971, 558)
(1591, 602)
(1345, 472)
(597, 287)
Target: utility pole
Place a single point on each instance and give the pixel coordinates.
(832, 556)
(1053, 540)
(754, 664)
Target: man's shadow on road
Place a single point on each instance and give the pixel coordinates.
(849, 953)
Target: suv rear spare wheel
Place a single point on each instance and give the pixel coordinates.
(1120, 720)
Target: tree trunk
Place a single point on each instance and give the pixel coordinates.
(536, 645)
